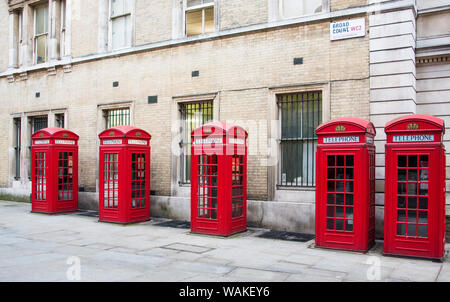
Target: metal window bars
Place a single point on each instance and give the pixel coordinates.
(117, 117)
(300, 114)
(193, 115)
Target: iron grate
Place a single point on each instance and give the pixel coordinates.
(175, 224)
(289, 236)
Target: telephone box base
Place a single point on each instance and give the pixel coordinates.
(440, 260)
(362, 251)
(127, 222)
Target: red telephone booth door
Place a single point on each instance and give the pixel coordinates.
(40, 167)
(207, 178)
(413, 213)
(66, 182)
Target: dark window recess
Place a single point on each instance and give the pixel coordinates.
(17, 145)
(152, 99)
(115, 84)
(117, 117)
(38, 94)
(300, 114)
(59, 120)
(298, 61)
(195, 73)
(193, 115)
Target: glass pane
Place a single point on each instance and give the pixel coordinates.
(349, 160)
(340, 212)
(349, 212)
(401, 215)
(330, 211)
(401, 229)
(412, 202)
(340, 160)
(402, 160)
(349, 174)
(401, 188)
(412, 188)
(41, 22)
(423, 203)
(340, 199)
(340, 186)
(423, 175)
(412, 216)
(330, 224)
(423, 230)
(339, 224)
(209, 20)
(331, 160)
(348, 199)
(349, 186)
(330, 198)
(349, 225)
(401, 202)
(41, 49)
(423, 161)
(194, 23)
(411, 230)
(121, 28)
(401, 175)
(340, 173)
(423, 216)
(412, 175)
(330, 173)
(423, 189)
(412, 161)
(190, 3)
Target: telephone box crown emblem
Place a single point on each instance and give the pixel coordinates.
(412, 126)
(111, 133)
(41, 134)
(138, 134)
(65, 135)
(340, 128)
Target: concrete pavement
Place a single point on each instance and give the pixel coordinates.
(71, 247)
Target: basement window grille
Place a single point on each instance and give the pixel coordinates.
(193, 115)
(300, 114)
(117, 117)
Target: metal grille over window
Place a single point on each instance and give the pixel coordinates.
(111, 180)
(138, 180)
(412, 195)
(17, 145)
(117, 117)
(340, 192)
(39, 122)
(207, 186)
(65, 176)
(193, 115)
(40, 174)
(300, 114)
(238, 186)
(199, 17)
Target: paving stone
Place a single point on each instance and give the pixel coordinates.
(255, 275)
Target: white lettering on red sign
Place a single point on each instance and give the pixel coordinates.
(348, 29)
(208, 141)
(413, 138)
(340, 139)
(137, 142)
(42, 142)
(238, 141)
(112, 142)
(64, 142)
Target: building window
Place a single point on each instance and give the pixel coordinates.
(193, 115)
(59, 120)
(63, 27)
(296, 8)
(41, 33)
(17, 146)
(199, 16)
(300, 114)
(120, 23)
(117, 117)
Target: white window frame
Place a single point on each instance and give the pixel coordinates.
(280, 10)
(132, 14)
(35, 57)
(198, 7)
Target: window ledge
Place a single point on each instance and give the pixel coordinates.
(225, 33)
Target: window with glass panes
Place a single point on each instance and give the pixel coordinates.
(41, 33)
(17, 145)
(199, 16)
(297, 8)
(117, 117)
(121, 23)
(300, 114)
(193, 115)
(59, 120)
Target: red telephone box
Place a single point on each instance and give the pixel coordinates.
(54, 171)
(414, 216)
(124, 175)
(345, 185)
(219, 179)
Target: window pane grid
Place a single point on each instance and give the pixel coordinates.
(412, 195)
(193, 115)
(111, 180)
(138, 180)
(40, 176)
(207, 187)
(65, 176)
(300, 114)
(237, 186)
(340, 192)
